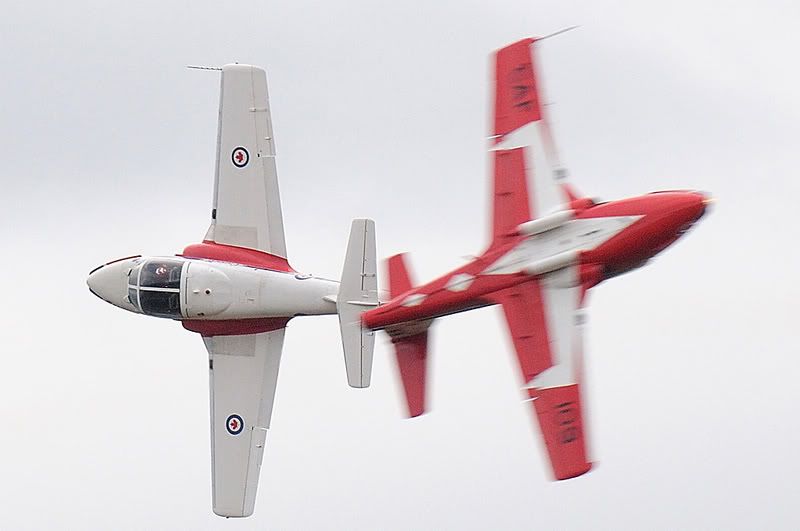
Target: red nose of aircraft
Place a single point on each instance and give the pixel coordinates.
(673, 218)
(663, 217)
(691, 208)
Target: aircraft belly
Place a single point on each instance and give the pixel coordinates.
(288, 295)
(249, 293)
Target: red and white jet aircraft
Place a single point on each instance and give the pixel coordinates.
(238, 291)
(549, 247)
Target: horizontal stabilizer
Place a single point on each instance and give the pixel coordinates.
(358, 292)
(412, 358)
(399, 278)
(410, 342)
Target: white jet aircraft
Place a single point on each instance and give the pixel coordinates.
(238, 291)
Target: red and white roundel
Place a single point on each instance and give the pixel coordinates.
(234, 424)
(240, 157)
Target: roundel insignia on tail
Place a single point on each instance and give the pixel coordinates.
(240, 157)
(234, 424)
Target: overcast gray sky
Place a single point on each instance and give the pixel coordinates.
(380, 109)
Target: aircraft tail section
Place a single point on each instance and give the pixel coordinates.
(399, 278)
(358, 292)
(412, 361)
(410, 341)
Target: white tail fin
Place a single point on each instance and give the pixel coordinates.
(358, 293)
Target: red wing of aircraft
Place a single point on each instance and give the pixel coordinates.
(549, 246)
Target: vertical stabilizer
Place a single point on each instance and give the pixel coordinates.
(358, 293)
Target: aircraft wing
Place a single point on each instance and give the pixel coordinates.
(247, 208)
(528, 177)
(545, 319)
(243, 373)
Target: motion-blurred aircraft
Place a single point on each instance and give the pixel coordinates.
(549, 247)
(238, 291)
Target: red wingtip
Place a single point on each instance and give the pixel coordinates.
(575, 473)
(558, 410)
(516, 93)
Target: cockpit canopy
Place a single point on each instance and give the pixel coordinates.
(154, 287)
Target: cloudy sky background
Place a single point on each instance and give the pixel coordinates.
(381, 109)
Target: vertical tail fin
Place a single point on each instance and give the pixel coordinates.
(358, 292)
(411, 350)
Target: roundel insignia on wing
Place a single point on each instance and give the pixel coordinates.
(234, 424)
(240, 157)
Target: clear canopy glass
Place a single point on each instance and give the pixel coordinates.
(154, 287)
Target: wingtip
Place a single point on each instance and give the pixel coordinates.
(571, 474)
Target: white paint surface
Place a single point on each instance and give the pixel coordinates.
(381, 111)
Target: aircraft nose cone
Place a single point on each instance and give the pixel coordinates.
(707, 199)
(689, 210)
(110, 283)
(699, 204)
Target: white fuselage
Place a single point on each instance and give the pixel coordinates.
(184, 288)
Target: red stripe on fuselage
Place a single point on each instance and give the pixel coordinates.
(235, 327)
(237, 255)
